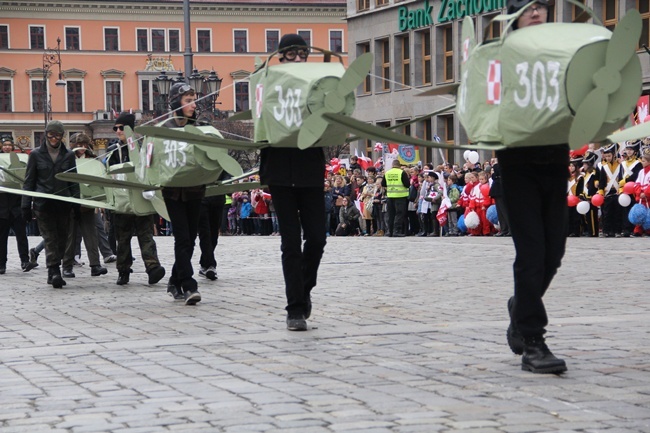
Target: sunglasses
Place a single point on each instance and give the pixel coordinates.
(54, 135)
(291, 54)
(120, 127)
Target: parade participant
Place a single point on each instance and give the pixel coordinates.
(609, 170)
(11, 218)
(53, 216)
(81, 145)
(630, 168)
(397, 184)
(591, 175)
(575, 184)
(496, 192)
(124, 224)
(534, 188)
(295, 181)
(183, 205)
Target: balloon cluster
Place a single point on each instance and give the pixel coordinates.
(471, 156)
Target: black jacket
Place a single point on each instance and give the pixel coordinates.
(283, 166)
(40, 177)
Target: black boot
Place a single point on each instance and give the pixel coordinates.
(539, 359)
(68, 273)
(156, 274)
(123, 277)
(515, 341)
(97, 270)
(57, 280)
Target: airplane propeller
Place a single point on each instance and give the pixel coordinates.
(315, 125)
(598, 106)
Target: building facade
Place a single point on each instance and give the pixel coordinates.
(417, 47)
(112, 51)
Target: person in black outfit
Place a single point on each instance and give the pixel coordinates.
(534, 187)
(183, 205)
(496, 192)
(11, 218)
(53, 216)
(210, 220)
(295, 180)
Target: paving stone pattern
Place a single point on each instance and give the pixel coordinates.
(407, 335)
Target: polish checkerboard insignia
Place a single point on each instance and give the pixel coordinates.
(494, 82)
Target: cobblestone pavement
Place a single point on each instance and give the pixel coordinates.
(407, 335)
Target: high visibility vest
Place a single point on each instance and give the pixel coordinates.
(394, 186)
(228, 199)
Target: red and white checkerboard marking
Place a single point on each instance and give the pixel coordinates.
(494, 82)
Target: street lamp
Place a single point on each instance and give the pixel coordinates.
(164, 83)
(51, 57)
(207, 89)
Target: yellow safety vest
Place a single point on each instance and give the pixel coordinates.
(394, 186)
(228, 199)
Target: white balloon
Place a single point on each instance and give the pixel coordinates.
(473, 157)
(148, 195)
(583, 207)
(472, 220)
(624, 200)
(466, 154)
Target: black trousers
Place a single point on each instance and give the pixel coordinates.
(611, 215)
(396, 209)
(300, 208)
(19, 226)
(184, 216)
(125, 224)
(537, 213)
(54, 226)
(210, 219)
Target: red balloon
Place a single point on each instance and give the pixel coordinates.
(597, 200)
(485, 190)
(628, 188)
(573, 200)
(334, 161)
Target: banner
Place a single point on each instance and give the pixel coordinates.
(407, 154)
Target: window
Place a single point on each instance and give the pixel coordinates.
(404, 129)
(643, 6)
(446, 128)
(336, 41)
(405, 60)
(493, 27)
(5, 96)
(365, 87)
(39, 137)
(447, 53)
(381, 2)
(142, 39)
(363, 5)
(72, 42)
(158, 40)
(241, 41)
(113, 96)
(425, 50)
(174, 40)
(384, 52)
(576, 10)
(149, 95)
(204, 41)
(111, 39)
(272, 40)
(4, 37)
(74, 93)
(306, 35)
(241, 96)
(37, 37)
(610, 8)
(39, 95)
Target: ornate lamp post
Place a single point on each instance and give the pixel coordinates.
(207, 89)
(51, 57)
(164, 83)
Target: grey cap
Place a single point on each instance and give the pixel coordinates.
(55, 126)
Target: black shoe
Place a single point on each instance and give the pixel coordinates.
(97, 270)
(539, 359)
(399, 235)
(123, 277)
(308, 312)
(67, 272)
(156, 274)
(515, 341)
(175, 290)
(192, 297)
(3, 270)
(29, 266)
(296, 323)
(54, 277)
(33, 256)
